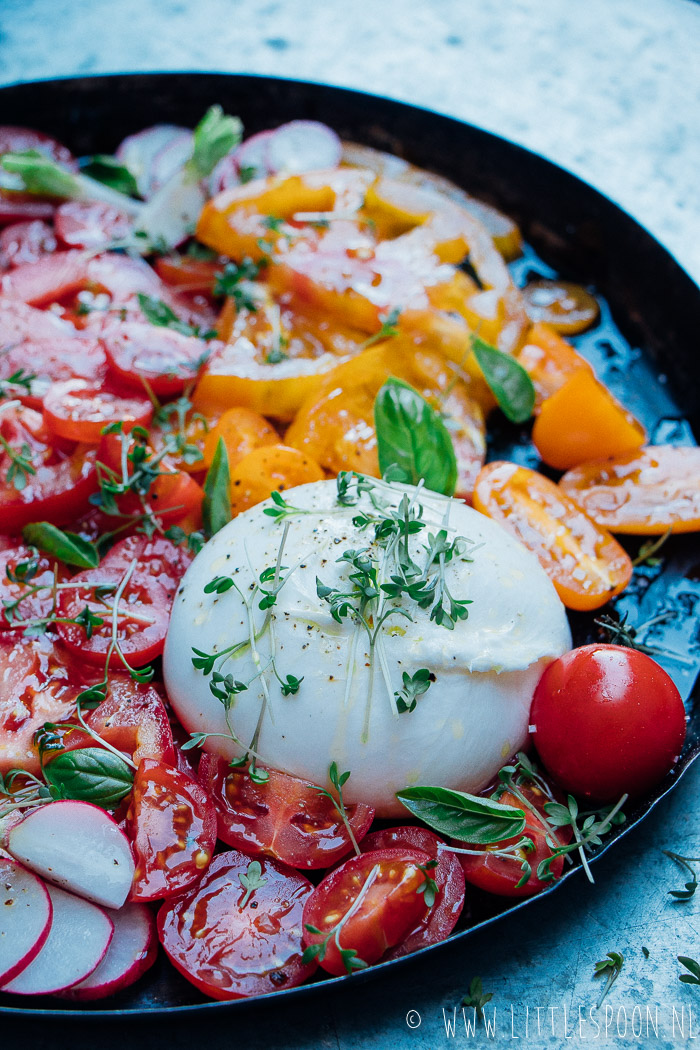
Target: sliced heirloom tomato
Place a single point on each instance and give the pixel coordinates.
(37, 481)
(78, 410)
(51, 359)
(242, 431)
(501, 875)
(448, 875)
(585, 563)
(25, 242)
(157, 556)
(17, 139)
(232, 943)
(642, 493)
(367, 905)
(91, 224)
(22, 569)
(171, 823)
(549, 361)
(266, 469)
(286, 818)
(142, 616)
(566, 306)
(583, 421)
(164, 359)
(188, 274)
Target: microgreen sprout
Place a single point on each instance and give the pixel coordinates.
(338, 780)
(693, 968)
(610, 968)
(590, 833)
(389, 328)
(477, 998)
(349, 956)
(251, 881)
(690, 887)
(21, 379)
(413, 686)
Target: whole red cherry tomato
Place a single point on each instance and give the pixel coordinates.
(608, 721)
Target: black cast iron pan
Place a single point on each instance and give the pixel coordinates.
(645, 349)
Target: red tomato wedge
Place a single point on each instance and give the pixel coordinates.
(371, 901)
(91, 224)
(157, 556)
(286, 818)
(164, 358)
(142, 616)
(16, 139)
(50, 278)
(643, 493)
(449, 900)
(78, 410)
(584, 562)
(171, 824)
(231, 943)
(52, 360)
(21, 570)
(37, 482)
(25, 242)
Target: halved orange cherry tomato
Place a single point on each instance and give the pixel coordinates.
(643, 493)
(583, 421)
(336, 425)
(268, 468)
(584, 562)
(567, 307)
(77, 410)
(241, 431)
(549, 361)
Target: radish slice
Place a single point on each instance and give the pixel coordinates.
(25, 918)
(78, 846)
(137, 152)
(170, 159)
(77, 942)
(133, 950)
(303, 145)
(250, 157)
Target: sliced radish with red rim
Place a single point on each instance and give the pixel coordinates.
(132, 951)
(25, 918)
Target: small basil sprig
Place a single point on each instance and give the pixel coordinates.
(110, 172)
(66, 546)
(215, 136)
(459, 815)
(412, 439)
(89, 774)
(508, 380)
(216, 506)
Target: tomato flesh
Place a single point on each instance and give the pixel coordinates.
(78, 410)
(286, 818)
(25, 242)
(36, 606)
(166, 359)
(230, 950)
(91, 224)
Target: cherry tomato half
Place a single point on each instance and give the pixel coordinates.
(21, 569)
(286, 818)
(171, 824)
(567, 307)
(157, 556)
(78, 410)
(91, 224)
(608, 721)
(643, 493)
(142, 616)
(584, 562)
(449, 899)
(25, 242)
(165, 358)
(51, 360)
(230, 943)
(388, 881)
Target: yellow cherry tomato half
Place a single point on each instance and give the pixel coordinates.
(266, 469)
(567, 307)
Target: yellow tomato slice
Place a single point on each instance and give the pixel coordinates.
(643, 493)
(567, 307)
(584, 562)
(583, 421)
(549, 361)
(242, 430)
(266, 469)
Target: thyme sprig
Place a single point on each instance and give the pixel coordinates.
(21, 379)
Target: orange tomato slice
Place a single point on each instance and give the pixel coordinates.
(583, 421)
(549, 361)
(643, 493)
(242, 430)
(584, 562)
(266, 469)
(567, 307)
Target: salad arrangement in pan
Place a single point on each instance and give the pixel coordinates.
(244, 394)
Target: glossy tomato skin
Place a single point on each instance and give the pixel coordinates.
(390, 909)
(157, 556)
(608, 721)
(449, 876)
(78, 410)
(25, 242)
(35, 606)
(51, 360)
(171, 823)
(229, 951)
(166, 358)
(286, 818)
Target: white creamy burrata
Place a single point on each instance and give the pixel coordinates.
(474, 714)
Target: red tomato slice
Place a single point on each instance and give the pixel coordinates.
(19, 321)
(449, 901)
(390, 908)
(25, 242)
(52, 361)
(286, 818)
(188, 275)
(22, 207)
(157, 556)
(166, 359)
(36, 606)
(143, 614)
(171, 823)
(48, 279)
(55, 487)
(78, 410)
(16, 139)
(230, 949)
(584, 562)
(91, 224)
(36, 686)
(501, 875)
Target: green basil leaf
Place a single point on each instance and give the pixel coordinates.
(66, 546)
(110, 172)
(40, 174)
(216, 506)
(468, 818)
(412, 439)
(509, 382)
(214, 137)
(90, 774)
